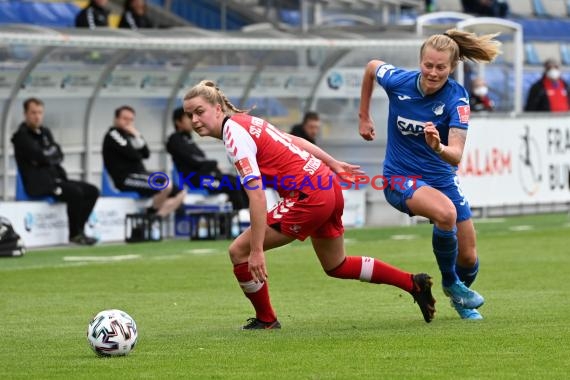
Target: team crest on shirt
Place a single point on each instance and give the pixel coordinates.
(243, 167)
(438, 108)
(463, 112)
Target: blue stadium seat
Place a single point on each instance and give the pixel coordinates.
(531, 55)
(206, 14)
(64, 13)
(108, 188)
(539, 9)
(22, 195)
(9, 12)
(49, 14)
(290, 16)
(565, 54)
(548, 30)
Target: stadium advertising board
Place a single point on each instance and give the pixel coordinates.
(107, 221)
(515, 161)
(38, 223)
(344, 82)
(42, 224)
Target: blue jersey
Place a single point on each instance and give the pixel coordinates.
(407, 153)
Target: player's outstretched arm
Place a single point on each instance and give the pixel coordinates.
(366, 124)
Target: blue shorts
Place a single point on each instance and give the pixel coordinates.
(398, 195)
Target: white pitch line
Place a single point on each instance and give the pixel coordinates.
(202, 251)
(101, 258)
(521, 228)
(489, 220)
(166, 257)
(403, 237)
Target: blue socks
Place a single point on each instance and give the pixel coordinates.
(445, 250)
(467, 275)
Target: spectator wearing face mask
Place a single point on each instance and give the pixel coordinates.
(549, 93)
(479, 99)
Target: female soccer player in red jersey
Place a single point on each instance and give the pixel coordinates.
(311, 203)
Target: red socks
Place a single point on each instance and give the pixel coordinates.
(364, 268)
(368, 269)
(258, 293)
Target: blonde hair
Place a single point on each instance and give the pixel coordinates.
(464, 45)
(208, 90)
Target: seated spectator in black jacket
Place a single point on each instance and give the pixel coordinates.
(479, 99)
(191, 162)
(124, 150)
(489, 8)
(93, 16)
(39, 160)
(134, 16)
(309, 128)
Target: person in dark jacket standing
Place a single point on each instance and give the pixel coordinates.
(309, 128)
(550, 93)
(124, 150)
(39, 160)
(93, 16)
(134, 16)
(192, 163)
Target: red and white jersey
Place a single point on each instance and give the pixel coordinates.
(260, 150)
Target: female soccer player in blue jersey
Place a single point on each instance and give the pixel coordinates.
(427, 127)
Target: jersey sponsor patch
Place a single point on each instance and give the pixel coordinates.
(409, 126)
(243, 167)
(383, 69)
(463, 112)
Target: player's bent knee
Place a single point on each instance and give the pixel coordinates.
(238, 252)
(347, 268)
(446, 217)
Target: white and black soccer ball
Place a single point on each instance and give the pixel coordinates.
(112, 333)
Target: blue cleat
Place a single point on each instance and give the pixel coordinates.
(463, 296)
(471, 314)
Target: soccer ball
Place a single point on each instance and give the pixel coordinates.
(112, 333)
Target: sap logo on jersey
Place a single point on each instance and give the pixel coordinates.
(410, 127)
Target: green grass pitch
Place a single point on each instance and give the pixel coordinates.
(188, 309)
